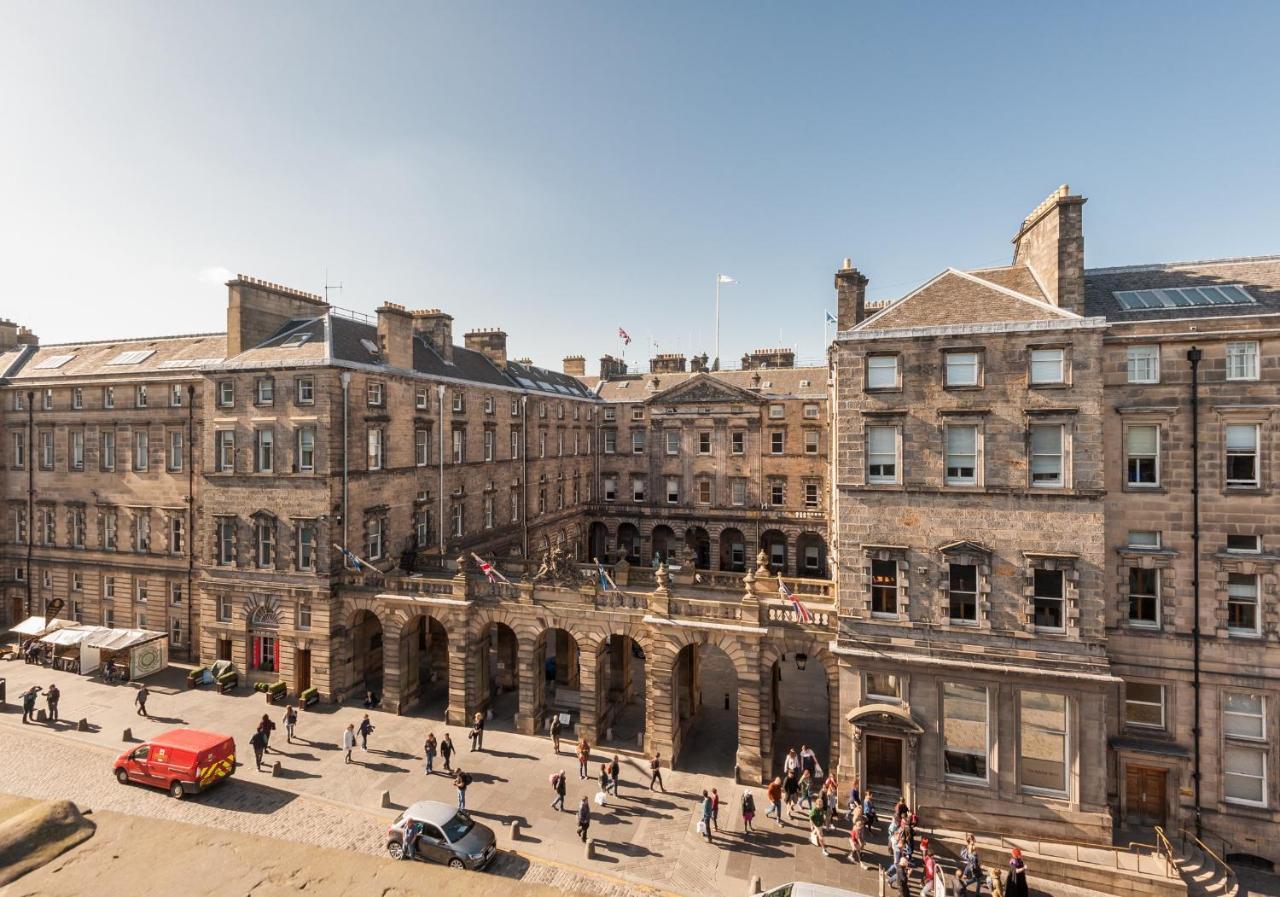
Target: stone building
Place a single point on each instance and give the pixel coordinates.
(1017, 541)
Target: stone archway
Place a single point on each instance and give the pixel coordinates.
(800, 702)
(629, 542)
(424, 666)
(774, 545)
(497, 673)
(811, 556)
(664, 542)
(698, 541)
(622, 689)
(733, 550)
(365, 636)
(558, 671)
(704, 673)
(598, 542)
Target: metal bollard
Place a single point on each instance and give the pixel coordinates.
(515, 829)
(640, 740)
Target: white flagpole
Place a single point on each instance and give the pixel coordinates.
(717, 361)
(825, 322)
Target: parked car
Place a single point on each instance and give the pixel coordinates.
(445, 835)
(181, 761)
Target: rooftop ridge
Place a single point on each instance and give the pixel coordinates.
(1161, 266)
(135, 339)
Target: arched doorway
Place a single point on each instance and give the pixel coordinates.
(811, 556)
(774, 545)
(629, 542)
(799, 708)
(496, 665)
(663, 542)
(733, 551)
(366, 654)
(560, 682)
(621, 683)
(424, 666)
(698, 540)
(598, 542)
(704, 693)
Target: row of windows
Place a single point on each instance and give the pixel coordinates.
(704, 442)
(175, 394)
(704, 491)
(139, 536)
(107, 445)
(265, 540)
(963, 369)
(1142, 362)
(175, 590)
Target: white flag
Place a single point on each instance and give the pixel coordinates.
(725, 278)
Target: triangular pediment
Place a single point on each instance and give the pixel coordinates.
(705, 389)
(958, 298)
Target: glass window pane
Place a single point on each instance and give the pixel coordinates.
(1242, 437)
(882, 440)
(1044, 740)
(962, 440)
(965, 731)
(1142, 440)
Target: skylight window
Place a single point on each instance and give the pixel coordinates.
(298, 339)
(133, 356)
(1184, 297)
(53, 361)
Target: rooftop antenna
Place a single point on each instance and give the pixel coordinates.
(329, 286)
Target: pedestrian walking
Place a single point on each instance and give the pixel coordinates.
(869, 810)
(556, 727)
(29, 703)
(559, 786)
(259, 743)
(715, 809)
(806, 790)
(704, 824)
(365, 730)
(604, 783)
(808, 761)
(900, 877)
(1016, 884)
(584, 819)
(429, 752)
(51, 698)
(932, 875)
(791, 764)
(655, 773)
(290, 720)
(615, 773)
(584, 757)
(791, 788)
(141, 700)
(266, 727)
(462, 781)
(970, 874)
(748, 811)
(446, 751)
(855, 797)
(774, 795)
(815, 830)
(348, 740)
(858, 840)
(477, 732)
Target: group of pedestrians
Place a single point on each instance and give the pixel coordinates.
(51, 698)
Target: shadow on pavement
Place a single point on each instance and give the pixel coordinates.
(242, 795)
(287, 773)
(626, 849)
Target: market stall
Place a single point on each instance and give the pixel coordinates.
(140, 651)
(33, 628)
(68, 647)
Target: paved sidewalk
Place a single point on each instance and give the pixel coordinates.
(643, 837)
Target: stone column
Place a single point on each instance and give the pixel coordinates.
(660, 707)
(588, 699)
(392, 691)
(460, 684)
(750, 757)
(528, 678)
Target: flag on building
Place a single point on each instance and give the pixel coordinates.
(606, 581)
(354, 560)
(624, 336)
(490, 572)
(724, 278)
(831, 319)
(802, 612)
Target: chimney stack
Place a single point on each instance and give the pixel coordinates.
(1051, 243)
(769, 358)
(667, 363)
(490, 342)
(851, 296)
(8, 334)
(575, 366)
(395, 336)
(256, 309)
(436, 328)
(611, 367)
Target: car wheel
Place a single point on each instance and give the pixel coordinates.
(122, 777)
(456, 863)
(396, 850)
(176, 791)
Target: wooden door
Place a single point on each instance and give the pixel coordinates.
(1144, 790)
(302, 669)
(884, 765)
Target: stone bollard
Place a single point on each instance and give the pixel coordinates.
(608, 734)
(83, 725)
(127, 736)
(754, 887)
(881, 877)
(275, 769)
(640, 740)
(41, 716)
(385, 799)
(515, 829)
(590, 851)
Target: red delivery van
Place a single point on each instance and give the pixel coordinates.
(181, 761)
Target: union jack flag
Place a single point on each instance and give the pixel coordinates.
(490, 572)
(802, 612)
(624, 336)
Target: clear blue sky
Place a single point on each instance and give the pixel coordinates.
(560, 169)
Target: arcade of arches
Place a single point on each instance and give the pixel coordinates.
(703, 698)
(792, 550)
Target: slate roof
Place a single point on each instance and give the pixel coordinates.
(958, 297)
(164, 355)
(1260, 277)
(781, 383)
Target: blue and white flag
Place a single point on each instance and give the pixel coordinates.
(831, 319)
(606, 581)
(354, 560)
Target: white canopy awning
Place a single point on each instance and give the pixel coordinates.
(72, 635)
(121, 639)
(38, 626)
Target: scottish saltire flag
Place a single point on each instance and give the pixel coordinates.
(606, 581)
(802, 612)
(831, 319)
(491, 573)
(624, 336)
(354, 560)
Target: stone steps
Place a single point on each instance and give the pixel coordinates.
(1205, 877)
